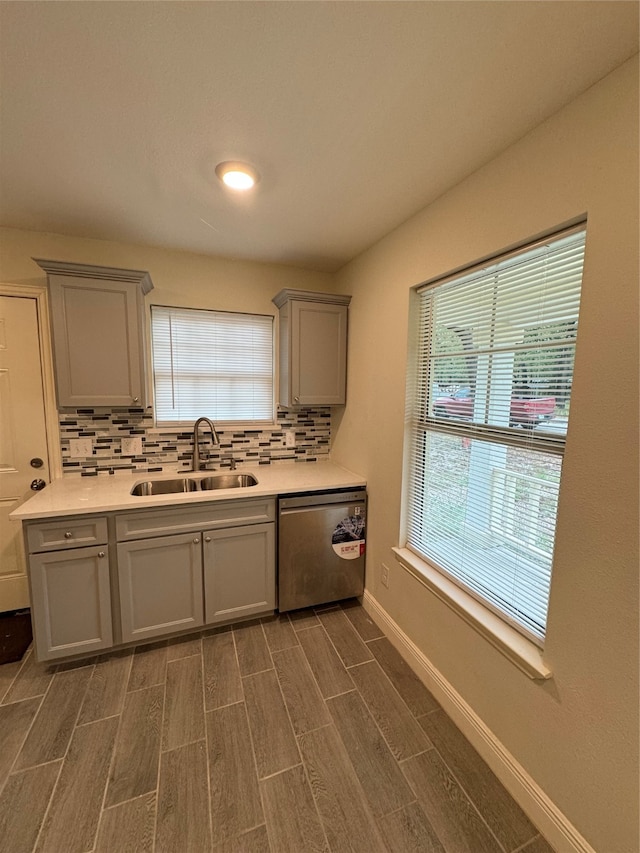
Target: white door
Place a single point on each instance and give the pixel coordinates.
(23, 439)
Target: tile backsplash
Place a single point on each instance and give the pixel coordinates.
(105, 429)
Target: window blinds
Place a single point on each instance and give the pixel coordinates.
(211, 363)
(489, 399)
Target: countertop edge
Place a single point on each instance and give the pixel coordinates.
(89, 496)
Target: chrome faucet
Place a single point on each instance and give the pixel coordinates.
(197, 464)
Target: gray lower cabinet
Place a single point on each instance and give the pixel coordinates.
(160, 584)
(172, 570)
(71, 601)
(239, 572)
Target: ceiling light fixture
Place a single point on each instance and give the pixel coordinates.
(237, 176)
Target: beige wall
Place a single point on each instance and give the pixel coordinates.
(179, 278)
(576, 735)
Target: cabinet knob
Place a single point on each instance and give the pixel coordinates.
(68, 535)
(296, 399)
(136, 399)
(207, 539)
(101, 554)
(195, 541)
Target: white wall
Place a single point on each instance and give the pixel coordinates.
(179, 278)
(576, 735)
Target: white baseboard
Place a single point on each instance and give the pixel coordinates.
(551, 822)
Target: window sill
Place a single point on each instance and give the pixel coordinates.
(517, 648)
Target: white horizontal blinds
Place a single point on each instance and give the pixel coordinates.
(212, 363)
(489, 403)
(506, 332)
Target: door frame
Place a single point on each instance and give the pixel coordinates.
(52, 424)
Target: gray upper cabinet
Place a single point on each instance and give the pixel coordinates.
(98, 320)
(313, 348)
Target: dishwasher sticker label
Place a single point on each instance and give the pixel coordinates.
(348, 537)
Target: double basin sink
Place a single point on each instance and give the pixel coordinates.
(193, 484)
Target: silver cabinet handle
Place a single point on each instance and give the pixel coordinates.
(207, 539)
(195, 541)
(68, 535)
(100, 554)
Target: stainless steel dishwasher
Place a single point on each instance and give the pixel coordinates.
(321, 547)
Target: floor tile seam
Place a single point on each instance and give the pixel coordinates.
(23, 741)
(335, 647)
(255, 764)
(206, 747)
(73, 727)
(264, 637)
(159, 763)
(323, 700)
(280, 772)
(464, 792)
(145, 686)
(401, 808)
(183, 657)
(163, 732)
(364, 640)
(305, 770)
(51, 796)
(398, 694)
(35, 696)
(459, 781)
(523, 847)
(257, 672)
(379, 727)
(24, 698)
(23, 662)
(181, 745)
(97, 720)
(116, 739)
(394, 758)
(106, 777)
(286, 708)
(31, 767)
(306, 627)
(228, 705)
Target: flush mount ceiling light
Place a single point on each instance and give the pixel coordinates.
(237, 176)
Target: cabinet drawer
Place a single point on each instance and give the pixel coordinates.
(75, 532)
(157, 522)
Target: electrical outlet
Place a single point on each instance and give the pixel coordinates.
(80, 447)
(384, 577)
(290, 438)
(132, 446)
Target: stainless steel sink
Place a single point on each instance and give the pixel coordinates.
(189, 484)
(165, 487)
(227, 481)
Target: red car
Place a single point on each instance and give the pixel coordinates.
(525, 411)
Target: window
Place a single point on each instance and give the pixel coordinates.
(489, 400)
(211, 363)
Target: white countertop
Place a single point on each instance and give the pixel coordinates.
(104, 493)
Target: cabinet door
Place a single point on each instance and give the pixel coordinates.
(318, 353)
(160, 585)
(71, 601)
(239, 572)
(97, 334)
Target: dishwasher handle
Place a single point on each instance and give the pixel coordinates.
(318, 499)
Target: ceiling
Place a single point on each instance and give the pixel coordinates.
(357, 114)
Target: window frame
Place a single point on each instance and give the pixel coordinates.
(424, 423)
(165, 426)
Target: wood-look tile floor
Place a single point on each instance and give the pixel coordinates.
(303, 732)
